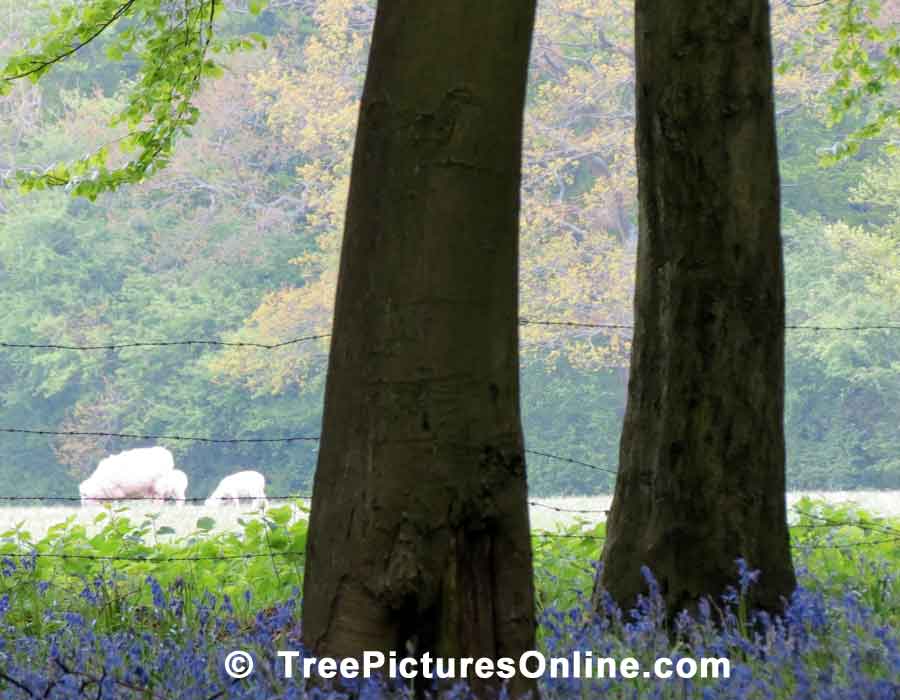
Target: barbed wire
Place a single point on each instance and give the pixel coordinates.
(149, 559)
(571, 461)
(139, 436)
(128, 499)
(567, 535)
(164, 343)
(294, 438)
(541, 534)
(285, 497)
(829, 522)
(309, 438)
(576, 324)
(889, 326)
(824, 522)
(796, 545)
(153, 559)
(559, 509)
(882, 327)
(886, 326)
(846, 545)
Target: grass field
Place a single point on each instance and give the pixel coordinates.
(183, 519)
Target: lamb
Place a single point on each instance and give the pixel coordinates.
(128, 474)
(173, 485)
(246, 484)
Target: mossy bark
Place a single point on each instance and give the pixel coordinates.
(701, 478)
(419, 530)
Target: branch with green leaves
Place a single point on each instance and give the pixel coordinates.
(866, 68)
(173, 41)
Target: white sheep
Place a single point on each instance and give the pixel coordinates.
(173, 485)
(246, 484)
(128, 474)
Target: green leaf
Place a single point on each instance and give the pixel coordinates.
(259, 39)
(280, 515)
(257, 6)
(278, 541)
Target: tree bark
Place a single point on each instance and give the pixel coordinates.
(701, 479)
(419, 530)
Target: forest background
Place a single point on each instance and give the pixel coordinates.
(238, 240)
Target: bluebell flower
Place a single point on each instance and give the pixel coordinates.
(746, 577)
(73, 619)
(159, 598)
(89, 594)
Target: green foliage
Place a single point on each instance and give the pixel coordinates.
(265, 556)
(172, 46)
(573, 414)
(865, 64)
(61, 272)
(563, 564)
(197, 250)
(849, 551)
(838, 548)
(841, 418)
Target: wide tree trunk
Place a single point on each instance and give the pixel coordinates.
(419, 530)
(701, 478)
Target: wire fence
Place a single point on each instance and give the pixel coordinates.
(887, 326)
(156, 559)
(141, 436)
(164, 343)
(823, 522)
(300, 555)
(150, 559)
(293, 341)
(867, 527)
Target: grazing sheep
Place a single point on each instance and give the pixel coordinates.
(246, 484)
(173, 485)
(128, 474)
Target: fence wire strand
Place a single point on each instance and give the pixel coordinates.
(889, 326)
(164, 343)
(824, 522)
(273, 553)
(148, 559)
(539, 534)
(140, 436)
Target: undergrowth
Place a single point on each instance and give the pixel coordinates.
(133, 611)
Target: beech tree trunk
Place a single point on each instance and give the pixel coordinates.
(419, 530)
(701, 479)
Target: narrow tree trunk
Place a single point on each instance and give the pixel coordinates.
(419, 528)
(701, 478)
